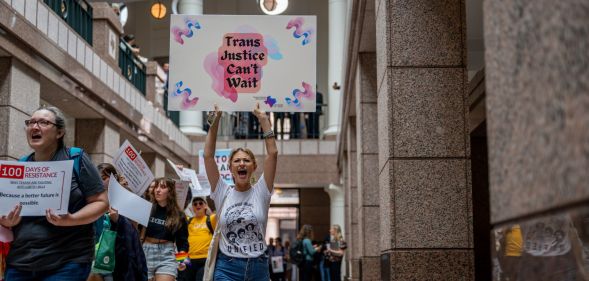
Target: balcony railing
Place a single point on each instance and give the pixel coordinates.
(131, 67)
(77, 14)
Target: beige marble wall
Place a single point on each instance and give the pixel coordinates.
(423, 140)
(19, 97)
(99, 138)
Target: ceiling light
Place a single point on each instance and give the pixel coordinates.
(158, 10)
(273, 7)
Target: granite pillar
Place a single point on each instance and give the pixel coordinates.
(537, 96)
(156, 163)
(99, 138)
(354, 238)
(19, 97)
(106, 33)
(367, 151)
(423, 152)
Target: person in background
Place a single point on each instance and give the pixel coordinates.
(200, 233)
(306, 235)
(312, 118)
(56, 247)
(130, 264)
(335, 252)
(278, 251)
(166, 232)
(288, 272)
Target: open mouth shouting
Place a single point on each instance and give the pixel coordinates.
(242, 173)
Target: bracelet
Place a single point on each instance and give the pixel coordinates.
(269, 134)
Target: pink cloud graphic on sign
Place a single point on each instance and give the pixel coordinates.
(217, 73)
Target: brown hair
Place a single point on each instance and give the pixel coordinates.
(305, 232)
(173, 212)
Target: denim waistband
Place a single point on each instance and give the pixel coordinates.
(220, 254)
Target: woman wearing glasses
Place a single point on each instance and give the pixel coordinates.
(56, 247)
(244, 207)
(200, 233)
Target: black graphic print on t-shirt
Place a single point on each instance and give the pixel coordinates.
(243, 232)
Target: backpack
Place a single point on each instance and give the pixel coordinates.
(75, 154)
(209, 224)
(297, 253)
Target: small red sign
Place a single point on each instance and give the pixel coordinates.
(12, 172)
(129, 151)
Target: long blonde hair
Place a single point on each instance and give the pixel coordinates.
(338, 232)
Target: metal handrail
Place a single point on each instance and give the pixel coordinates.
(131, 67)
(76, 13)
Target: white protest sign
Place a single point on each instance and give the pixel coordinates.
(181, 193)
(238, 61)
(195, 185)
(182, 185)
(130, 164)
(36, 186)
(127, 203)
(205, 187)
(222, 160)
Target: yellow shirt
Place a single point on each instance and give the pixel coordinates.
(199, 237)
(513, 242)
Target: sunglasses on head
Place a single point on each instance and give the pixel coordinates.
(198, 203)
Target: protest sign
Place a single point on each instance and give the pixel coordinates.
(182, 185)
(36, 186)
(222, 159)
(130, 165)
(236, 62)
(195, 186)
(127, 203)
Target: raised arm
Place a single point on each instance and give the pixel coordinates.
(271, 149)
(209, 153)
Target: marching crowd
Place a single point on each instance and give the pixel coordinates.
(93, 242)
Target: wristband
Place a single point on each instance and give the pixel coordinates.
(211, 118)
(269, 134)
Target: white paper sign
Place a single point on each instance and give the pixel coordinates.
(130, 164)
(222, 160)
(127, 203)
(277, 264)
(205, 187)
(238, 61)
(37, 186)
(182, 188)
(195, 187)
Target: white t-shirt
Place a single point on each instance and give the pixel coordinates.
(243, 219)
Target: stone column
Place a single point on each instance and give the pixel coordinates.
(537, 96)
(191, 122)
(106, 33)
(423, 141)
(337, 26)
(99, 138)
(20, 94)
(354, 238)
(154, 85)
(156, 163)
(336, 196)
(367, 149)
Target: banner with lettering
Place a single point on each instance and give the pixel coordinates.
(222, 159)
(36, 186)
(130, 165)
(238, 61)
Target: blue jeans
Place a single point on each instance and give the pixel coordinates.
(324, 269)
(69, 272)
(233, 269)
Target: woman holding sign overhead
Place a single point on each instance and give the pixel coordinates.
(243, 209)
(56, 247)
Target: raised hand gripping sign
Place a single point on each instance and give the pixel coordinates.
(238, 61)
(130, 164)
(36, 186)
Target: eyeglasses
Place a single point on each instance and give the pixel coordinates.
(42, 123)
(198, 203)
